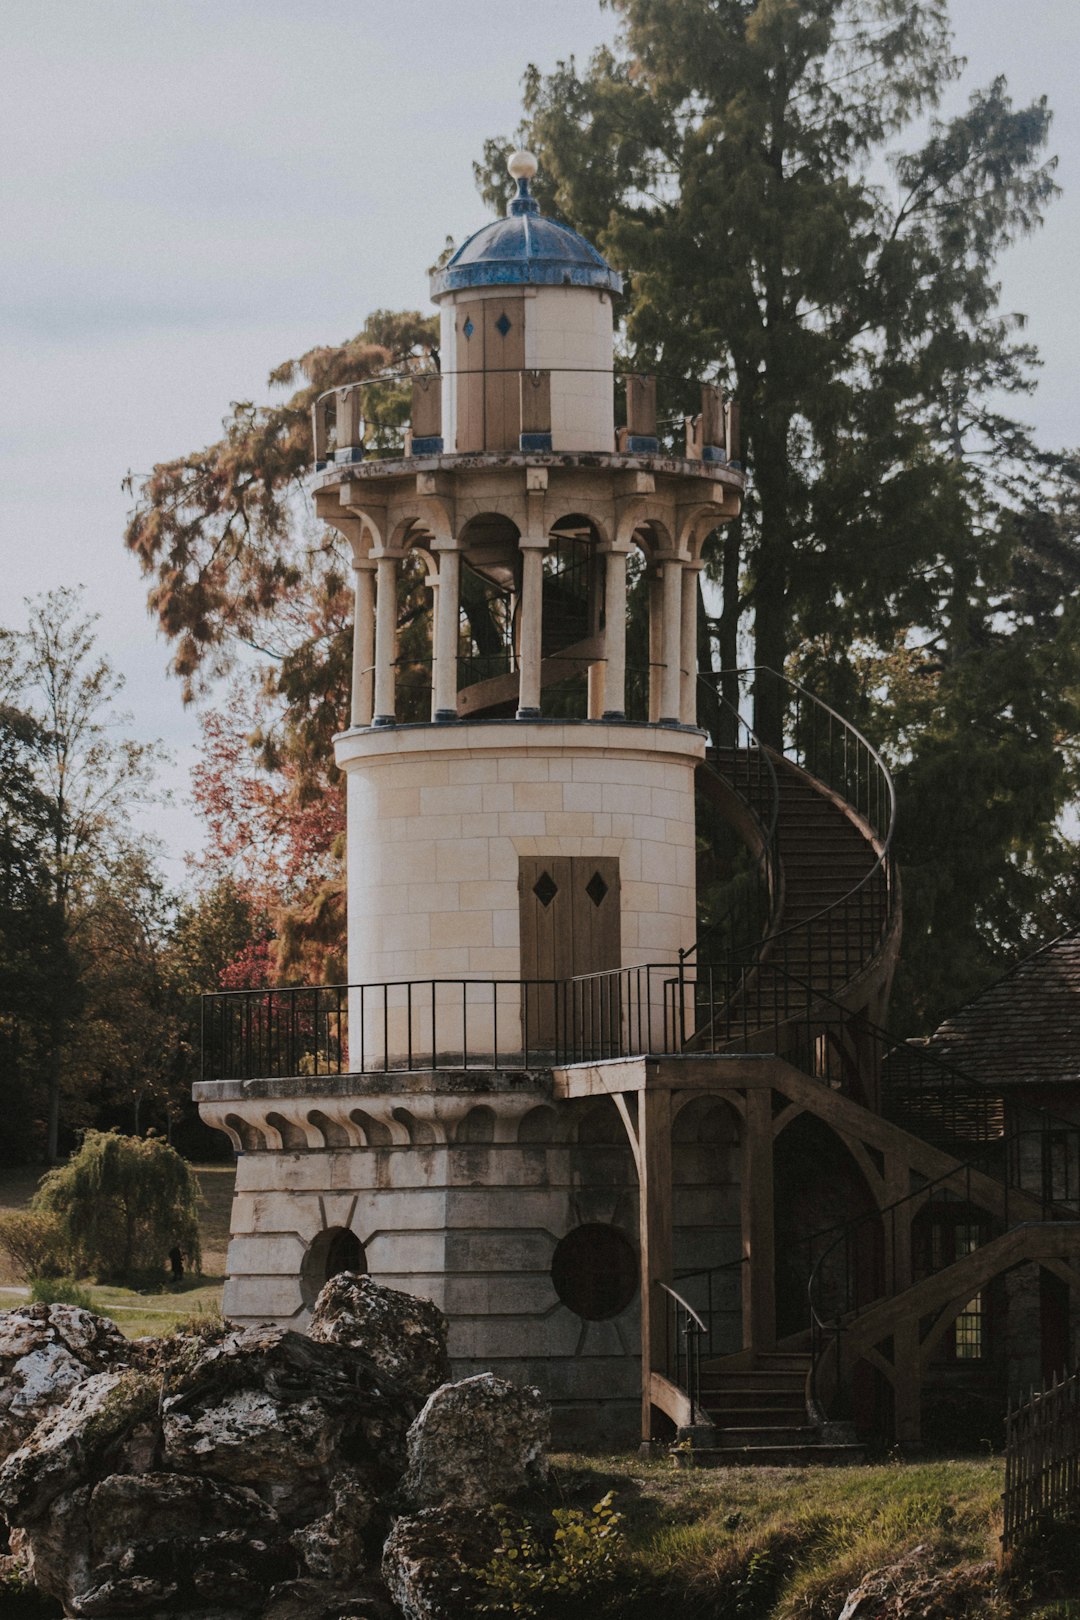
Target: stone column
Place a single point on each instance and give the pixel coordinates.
(532, 622)
(385, 641)
(445, 639)
(669, 691)
(688, 661)
(363, 643)
(615, 636)
(655, 588)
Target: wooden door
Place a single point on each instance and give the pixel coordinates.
(504, 361)
(570, 910)
(469, 383)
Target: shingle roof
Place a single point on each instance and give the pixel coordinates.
(1025, 1028)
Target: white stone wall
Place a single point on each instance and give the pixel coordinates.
(438, 818)
(568, 331)
(470, 1225)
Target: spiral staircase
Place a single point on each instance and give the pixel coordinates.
(795, 973)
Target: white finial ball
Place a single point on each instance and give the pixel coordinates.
(522, 165)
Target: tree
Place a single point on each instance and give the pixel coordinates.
(123, 1202)
(237, 564)
(86, 774)
(34, 965)
(743, 160)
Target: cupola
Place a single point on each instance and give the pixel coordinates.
(526, 335)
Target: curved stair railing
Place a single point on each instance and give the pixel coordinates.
(747, 793)
(749, 987)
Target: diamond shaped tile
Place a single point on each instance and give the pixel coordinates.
(503, 323)
(468, 328)
(545, 889)
(596, 889)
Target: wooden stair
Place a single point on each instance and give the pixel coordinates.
(758, 1412)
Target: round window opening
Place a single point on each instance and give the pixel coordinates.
(336, 1249)
(595, 1271)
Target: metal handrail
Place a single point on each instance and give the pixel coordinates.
(685, 1366)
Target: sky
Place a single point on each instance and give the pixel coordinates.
(194, 191)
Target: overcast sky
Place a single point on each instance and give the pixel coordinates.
(194, 190)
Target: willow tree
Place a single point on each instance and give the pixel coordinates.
(123, 1203)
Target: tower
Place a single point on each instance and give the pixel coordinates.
(520, 774)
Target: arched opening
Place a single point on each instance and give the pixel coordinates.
(334, 1250)
(414, 634)
(489, 609)
(572, 617)
(817, 1189)
(594, 1271)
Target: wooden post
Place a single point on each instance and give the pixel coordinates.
(426, 420)
(758, 1272)
(734, 444)
(363, 648)
(615, 635)
(712, 415)
(907, 1384)
(655, 1225)
(641, 407)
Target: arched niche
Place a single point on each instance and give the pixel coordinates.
(644, 619)
(538, 1125)
(478, 1125)
(333, 1250)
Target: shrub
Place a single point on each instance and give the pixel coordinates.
(529, 1576)
(59, 1291)
(34, 1242)
(122, 1203)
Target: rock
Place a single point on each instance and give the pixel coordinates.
(45, 1351)
(915, 1589)
(85, 1437)
(429, 1562)
(273, 1409)
(341, 1542)
(477, 1442)
(404, 1336)
(323, 1600)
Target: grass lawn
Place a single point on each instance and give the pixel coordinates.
(140, 1312)
(784, 1543)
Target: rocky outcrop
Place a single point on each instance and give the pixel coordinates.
(45, 1351)
(915, 1589)
(404, 1336)
(429, 1558)
(255, 1474)
(477, 1442)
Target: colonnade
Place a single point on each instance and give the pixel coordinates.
(673, 594)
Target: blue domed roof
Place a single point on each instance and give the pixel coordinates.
(525, 249)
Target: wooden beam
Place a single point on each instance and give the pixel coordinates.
(758, 1243)
(655, 1226)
